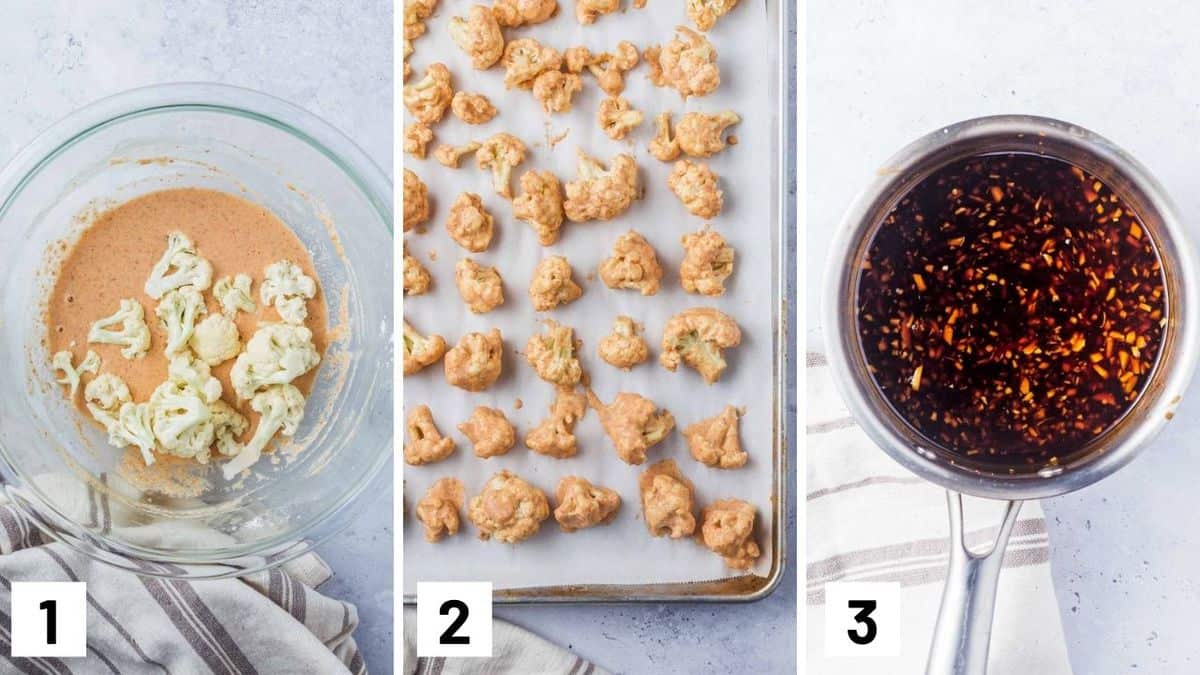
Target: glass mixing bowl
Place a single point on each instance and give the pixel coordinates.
(58, 467)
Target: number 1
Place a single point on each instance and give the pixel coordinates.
(51, 608)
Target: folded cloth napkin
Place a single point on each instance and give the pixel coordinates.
(869, 519)
(267, 622)
(515, 651)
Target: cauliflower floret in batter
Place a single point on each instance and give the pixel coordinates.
(704, 13)
(664, 146)
(525, 59)
(439, 509)
(728, 530)
(714, 441)
(702, 135)
(416, 201)
(617, 117)
(588, 10)
(632, 265)
(469, 223)
(697, 338)
(472, 108)
(555, 436)
(599, 192)
(450, 156)
(508, 509)
(552, 284)
(420, 351)
(633, 423)
(515, 13)
(476, 361)
(707, 263)
(553, 355)
(501, 153)
(490, 432)
(687, 65)
(625, 347)
(582, 504)
(668, 500)
(696, 187)
(479, 286)
(417, 137)
(428, 99)
(555, 90)
(425, 443)
(541, 205)
(478, 36)
(417, 279)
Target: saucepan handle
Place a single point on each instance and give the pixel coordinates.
(964, 623)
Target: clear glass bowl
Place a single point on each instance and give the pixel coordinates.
(58, 466)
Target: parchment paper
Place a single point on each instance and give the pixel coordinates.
(622, 552)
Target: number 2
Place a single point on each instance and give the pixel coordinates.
(448, 637)
(863, 617)
(51, 608)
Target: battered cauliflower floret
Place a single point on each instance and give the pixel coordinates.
(696, 186)
(501, 153)
(555, 90)
(450, 156)
(280, 409)
(134, 334)
(625, 347)
(508, 509)
(663, 146)
(687, 65)
(541, 205)
(416, 201)
(667, 501)
(428, 98)
(228, 426)
(587, 10)
(177, 313)
(696, 337)
(701, 135)
(600, 193)
(633, 423)
(277, 353)
(714, 442)
(408, 51)
(439, 509)
(417, 279)
(707, 263)
(421, 351)
(633, 265)
(555, 436)
(179, 266)
(704, 13)
(71, 374)
(514, 13)
(476, 361)
(215, 339)
(104, 396)
(728, 530)
(554, 356)
(525, 59)
(608, 68)
(490, 432)
(233, 294)
(181, 421)
(417, 137)
(582, 505)
(617, 117)
(552, 284)
(415, 13)
(469, 223)
(478, 36)
(472, 108)
(289, 289)
(425, 443)
(479, 286)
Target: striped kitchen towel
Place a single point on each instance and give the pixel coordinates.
(869, 519)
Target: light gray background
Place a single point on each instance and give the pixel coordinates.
(332, 57)
(1125, 552)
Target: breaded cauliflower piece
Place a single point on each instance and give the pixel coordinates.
(600, 193)
(687, 65)
(696, 186)
(552, 284)
(525, 59)
(469, 223)
(554, 356)
(633, 423)
(479, 286)
(582, 504)
(501, 153)
(439, 509)
(490, 432)
(472, 108)
(704, 13)
(417, 279)
(425, 443)
(508, 509)
(215, 339)
(588, 10)
(450, 156)
(702, 135)
(707, 262)
(428, 98)
(668, 500)
(416, 201)
(515, 13)
(555, 436)
(714, 441)
(696, 337)
(663, 146)
(555, 90)
(625, 347)
(421, 351)
(617, 117)
(415, 13)
(478, 36)
(417, 137)
(633, 265)
(541, 205)
(476, 361)
(608, 68)
(728, 530)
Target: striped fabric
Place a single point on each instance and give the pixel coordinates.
(869, 519)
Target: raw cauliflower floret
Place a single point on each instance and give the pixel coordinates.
(287, 287)
(525, 59)
(714, 441)
(415, 13)
(541, 205)
(728, 530)
(416, 201)
(588, 10)
(633, 265)
(489, 431)
(554, 356)
(234, 295)
(552, 284)
(608, 68)
(417, 137)
(501, 153)
(707, 263)
(104, 396)
(420, 351)
(181, 420)
(134, 334)
(514, 13)
(508, 509)
(663, 146)
(600, 193)
(555, 90)
(582, 505)
(469, 223)
(617, 117)
(281, 409)
(687, 65)
(277, 353)
(191, 374)
(633, 423)
(696, 337)
(625, 347)
(179, 266)
(133, 426)
(439, 509)
(701, 135)
(71, 374)
(177, 313)
(472, 108)
(555, 436)
(215, 339)
(696, 186)
(417, 279)
(704, 13)
(479, 286)
(425, 443)
(228, 426)
(450, 156)
(476, 361)
(668, 500)
(478, 36)
(428, 98)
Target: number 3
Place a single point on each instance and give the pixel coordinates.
(51, 608)
(863, 617)
(449, 637)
